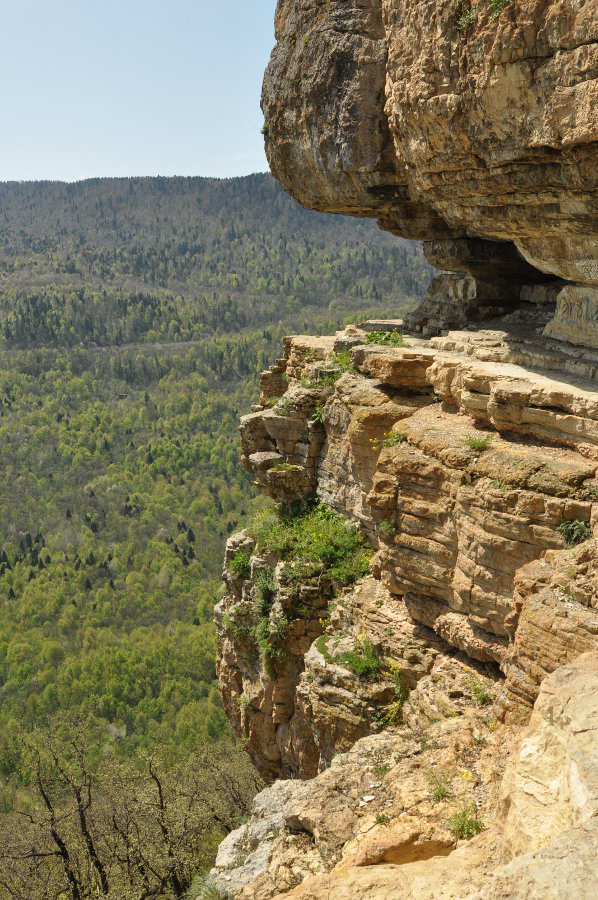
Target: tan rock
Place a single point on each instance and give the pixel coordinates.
(567, 869)
(576, 316)
(554, 621)
(551, 785)
(456, 529)
(387, 109)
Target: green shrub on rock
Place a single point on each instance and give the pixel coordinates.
(574, 531)
(240, 565)
(314, 540)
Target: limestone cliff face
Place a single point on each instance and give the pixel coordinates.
(464, 468)
(473, 131)
(428, 717)
(469, 463)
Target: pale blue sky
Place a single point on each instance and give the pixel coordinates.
(132, 87)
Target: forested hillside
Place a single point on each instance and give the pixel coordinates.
(115, 261)
(135, 316)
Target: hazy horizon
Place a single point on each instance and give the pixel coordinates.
(265, 171)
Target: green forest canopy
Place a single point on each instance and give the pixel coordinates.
(135, 316)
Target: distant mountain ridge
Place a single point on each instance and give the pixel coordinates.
(113, 261)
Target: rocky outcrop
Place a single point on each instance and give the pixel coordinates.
(471, 126)
(385, 802)
(466, 473)
(429, 686)
(469, 464)
(556, 600)
(386, 819)
(550, 786)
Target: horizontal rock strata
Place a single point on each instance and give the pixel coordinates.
(469, 464)
(463, 471)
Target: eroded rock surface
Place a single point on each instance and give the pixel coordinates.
(469, 462)
(472, 127)
(380, 822)
(462, 469)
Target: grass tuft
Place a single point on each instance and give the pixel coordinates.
(439, 786)
(496, 7)
(478, 443)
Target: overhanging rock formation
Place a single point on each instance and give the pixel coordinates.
(474, 131)
(451, 690)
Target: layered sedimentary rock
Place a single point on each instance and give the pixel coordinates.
(468, 462)
(464, 471)
(473, 127)
(467, 459)
(380, 822)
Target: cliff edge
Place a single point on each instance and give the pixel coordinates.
(409, 636)
(388, 627)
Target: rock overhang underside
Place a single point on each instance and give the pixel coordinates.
(479, 139)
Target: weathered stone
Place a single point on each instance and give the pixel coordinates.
(460, 462)
(374, 806)
(456, 527)
(489, 262)
(328, 68)
(576, 316)
(484, 135)
(452, 301)
(567, 869)
(555, 619)
(551, 785)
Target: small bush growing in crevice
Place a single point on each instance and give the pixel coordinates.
(318, 417)
(240, 564)
(392, 337)
(240, 632)
(388, 439)
(283, 407)
(341, 362)
(496, 7)
(322, 647)
(439, 786)
(393, 713)
(481, 694)
(362, 660)
(313, 540)
(325, 379)
(466, 16)
(574, 531)
(387, 529)
(283, 467)
(344, 362)
(478, 443)
(268, 637)
(265, 588)
(464, 823)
